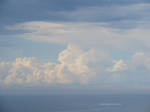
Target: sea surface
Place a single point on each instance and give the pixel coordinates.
(75, 103)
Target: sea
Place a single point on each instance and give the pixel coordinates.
(75, 103)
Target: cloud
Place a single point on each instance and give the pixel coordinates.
(78, 66)
(89, 35)
(73, 67)
(105, 14)
(118, 66)
(141, 60)
(85, 10)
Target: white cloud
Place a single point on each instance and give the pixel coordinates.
(93, 35)
(74, 67)
(118, 66)
(140, 59)
(77, 66)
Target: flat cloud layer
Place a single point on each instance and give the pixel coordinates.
(91, 35)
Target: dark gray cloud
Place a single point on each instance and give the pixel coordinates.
(12, 11)
(117, 13)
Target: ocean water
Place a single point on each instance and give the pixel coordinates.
(75, 103)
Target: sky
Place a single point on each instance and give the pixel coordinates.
(74, 46)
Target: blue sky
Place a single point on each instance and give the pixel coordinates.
(75, 44)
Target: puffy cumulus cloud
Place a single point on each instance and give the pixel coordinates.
(130, 72)
(139, 68)
(74, 67)
(140, 60)
(25, 70)
(97, 35)
(78, 66)
(118, 66)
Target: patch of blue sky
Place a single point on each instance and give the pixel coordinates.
(18, 47)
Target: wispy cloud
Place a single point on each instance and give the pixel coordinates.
(95, 35)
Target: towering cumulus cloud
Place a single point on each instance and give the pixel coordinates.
(74, 66)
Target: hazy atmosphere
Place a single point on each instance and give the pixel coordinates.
(74, 46)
